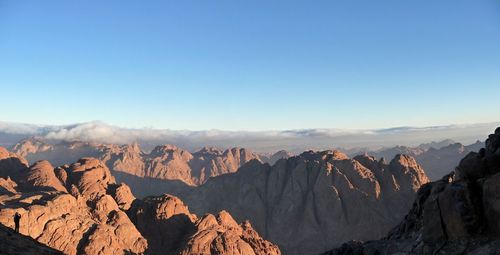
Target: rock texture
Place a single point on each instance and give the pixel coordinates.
(458, 214)
(312, 202)
(172, 229)
(80, 209)
(84, 221)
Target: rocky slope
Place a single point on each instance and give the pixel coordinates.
(314, 201)
(458, 214)
(81, 209)
(14, 243)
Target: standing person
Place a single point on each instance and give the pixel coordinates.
(17, 218)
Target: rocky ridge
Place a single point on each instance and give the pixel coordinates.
(437, 158)
(166, 162)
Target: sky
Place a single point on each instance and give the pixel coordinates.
(250, 65)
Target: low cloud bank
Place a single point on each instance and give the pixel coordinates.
(264, 141)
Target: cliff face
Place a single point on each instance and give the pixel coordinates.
(459, 214)
(314, 201)
(81, 209)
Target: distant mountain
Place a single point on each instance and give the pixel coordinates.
(436, 145)
(166, 169)
(316, 200)
(458, 214)
(80, 209)
(437, 158)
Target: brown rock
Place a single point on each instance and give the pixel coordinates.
(86, 221)
(171, 229)
(222, 235)
(164, 221)
(90, 176)
(123, 196)
(11, 165)
(41, 176)
(7, 186)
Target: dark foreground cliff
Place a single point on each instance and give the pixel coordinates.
(15, 243)
(459, 214)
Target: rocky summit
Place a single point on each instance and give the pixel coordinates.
(79, 208)
(458, 214)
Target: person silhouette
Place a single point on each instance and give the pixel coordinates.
(17, 218)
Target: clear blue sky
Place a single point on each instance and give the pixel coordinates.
(250, 65)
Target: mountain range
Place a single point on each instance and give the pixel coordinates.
(74, 197)
(437, 158)
(458, 214)
(316, 190)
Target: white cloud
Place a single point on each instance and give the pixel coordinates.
(293, 140)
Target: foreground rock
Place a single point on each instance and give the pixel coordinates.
(14, 243)
(171, 229)
(459, 214)
(87, 220)
(312, 202)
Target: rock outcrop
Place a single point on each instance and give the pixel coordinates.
(171, 229)
(314, 201)
(41, 176)
(458, 214)
(80, 209)
(84, 221)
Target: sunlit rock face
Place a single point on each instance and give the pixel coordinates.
(70, 212)
(315, 201)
